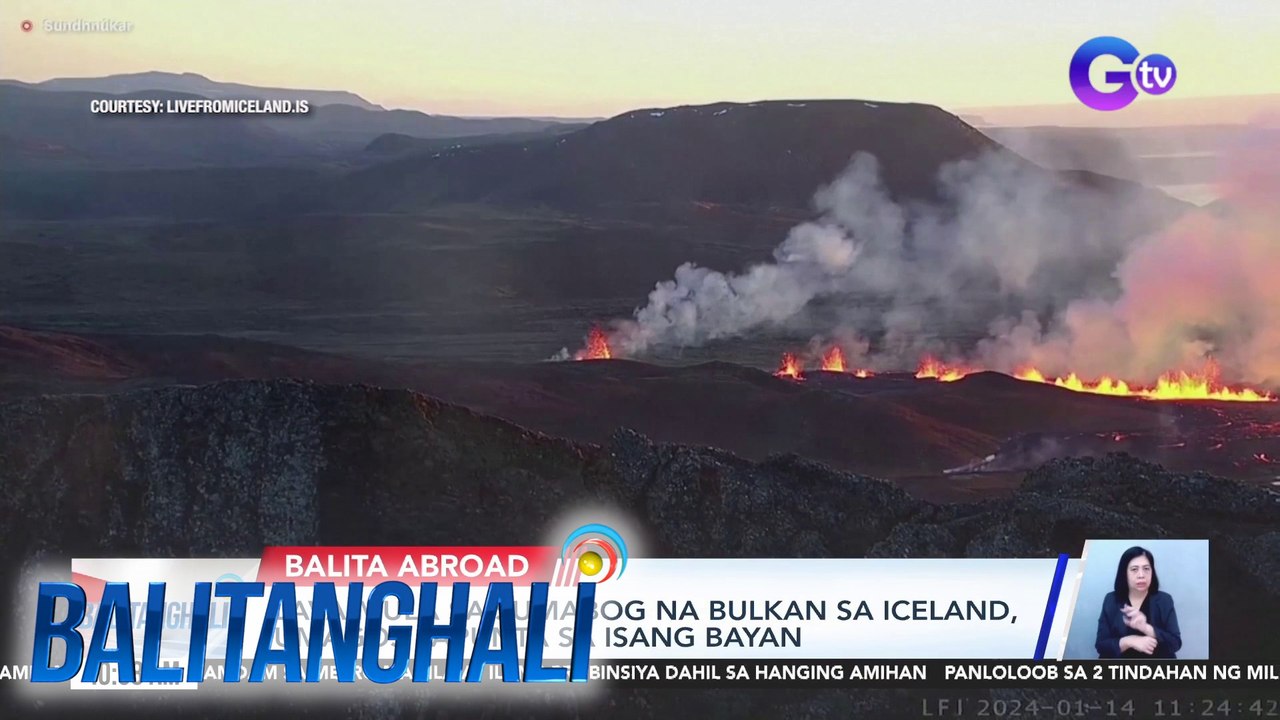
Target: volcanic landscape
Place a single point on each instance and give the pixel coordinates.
(776, 329)
(849, 277)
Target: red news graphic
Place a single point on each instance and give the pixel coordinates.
(203, 618)
(442, 565)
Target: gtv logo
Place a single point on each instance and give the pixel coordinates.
(1154, 74)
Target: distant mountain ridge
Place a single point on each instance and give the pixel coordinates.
(196, 84)
(391, 144)
(343, 128)
(57, 130)
(50, 124)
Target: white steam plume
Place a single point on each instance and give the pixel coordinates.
(1207, 286)
(816, 259)
(1014, 266)
(1007, 234)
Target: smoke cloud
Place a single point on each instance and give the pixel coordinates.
(1014, 266)
(1206, 286)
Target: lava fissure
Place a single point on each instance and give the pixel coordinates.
(1204, 384)
(833, 361)
(1181, 385)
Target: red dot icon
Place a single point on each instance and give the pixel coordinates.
(26, 26)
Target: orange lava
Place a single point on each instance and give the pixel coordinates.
(931, 367)
(833, 361)
(597, 347)
(791, 367)
(1203, 385)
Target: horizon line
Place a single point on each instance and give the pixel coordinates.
(956, 110)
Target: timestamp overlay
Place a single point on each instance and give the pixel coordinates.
(1098, 704)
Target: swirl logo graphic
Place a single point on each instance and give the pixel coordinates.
(1154, 74)
(595, 551)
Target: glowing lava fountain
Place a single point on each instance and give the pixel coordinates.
(833, 361)
(597, 347)
(931, 367)
(791, 367)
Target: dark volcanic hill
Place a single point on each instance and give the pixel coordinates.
(225, 469)
(767, 153)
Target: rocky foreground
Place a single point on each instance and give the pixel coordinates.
(224, 469)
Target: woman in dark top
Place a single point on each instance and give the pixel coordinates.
(1137, 620)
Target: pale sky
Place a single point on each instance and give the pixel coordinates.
(602, 57)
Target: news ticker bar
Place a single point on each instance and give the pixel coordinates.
(945, 674)
(826, 673)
